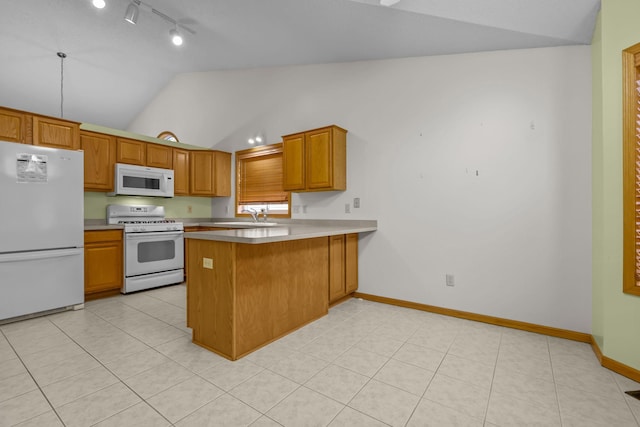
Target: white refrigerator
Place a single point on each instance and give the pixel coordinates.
(41, 229)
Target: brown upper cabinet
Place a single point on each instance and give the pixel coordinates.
(180, 172)
(99, 160)
(196, 172)
(159, 156)
(315, 160)
(210, 173)
(56, 133)
(13, 126)
(131, 151)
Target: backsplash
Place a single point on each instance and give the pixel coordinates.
(95, 205)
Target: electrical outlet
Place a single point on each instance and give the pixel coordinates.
(356, 202)
(450, 280)
(295, 209)
(304, 208)
(189, 209)
(207, 263)
(347, 208)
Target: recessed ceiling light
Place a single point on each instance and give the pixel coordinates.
(100, 4)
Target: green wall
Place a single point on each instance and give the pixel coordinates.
(616, 316)
(95, 205)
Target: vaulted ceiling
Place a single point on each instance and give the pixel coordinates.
(113, 68)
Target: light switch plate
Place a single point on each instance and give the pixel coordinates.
(207, 263)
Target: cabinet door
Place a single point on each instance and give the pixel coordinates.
(222, 171)
(210, 173)
(99, 160)
(319, 159)
(103, 264)
(56, 133)
(201, 164)
(13, 126)
(159, 156)
(131, 151)
(336, 268)
(351, 263)
(180, 172)
(293, 162)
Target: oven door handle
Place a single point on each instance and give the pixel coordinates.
(153, 235)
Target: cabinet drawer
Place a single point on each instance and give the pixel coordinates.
(102, 236)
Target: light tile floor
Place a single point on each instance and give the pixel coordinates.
(128, 361)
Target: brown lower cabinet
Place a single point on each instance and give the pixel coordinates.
(103, 263)
(343, 266)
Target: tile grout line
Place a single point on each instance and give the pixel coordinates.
(110, 371)
(32, 379)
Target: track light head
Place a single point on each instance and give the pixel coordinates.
(176, 38)
(98, 4)
(131, 15)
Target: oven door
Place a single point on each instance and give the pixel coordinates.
(153, 252)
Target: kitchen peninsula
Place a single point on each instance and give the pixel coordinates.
(247, 287)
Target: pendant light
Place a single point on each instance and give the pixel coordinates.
(62, 57)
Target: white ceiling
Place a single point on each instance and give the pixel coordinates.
(114, 69)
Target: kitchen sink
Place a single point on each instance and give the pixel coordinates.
(244, 224)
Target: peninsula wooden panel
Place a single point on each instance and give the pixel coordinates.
(254, 293)
(211, 296)
(279, 287)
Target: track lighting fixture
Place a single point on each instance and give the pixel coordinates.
(133, 10)
(176, 38)
(131, 15)
(99, 4)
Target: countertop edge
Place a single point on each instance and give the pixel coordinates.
(245, 235)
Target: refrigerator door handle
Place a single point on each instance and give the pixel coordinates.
(35, 255)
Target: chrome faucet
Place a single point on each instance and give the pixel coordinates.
(265, 214)
(254, 213)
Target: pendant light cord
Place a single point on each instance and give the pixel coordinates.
(62, 56)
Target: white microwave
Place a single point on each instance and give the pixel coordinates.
(132, 180)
